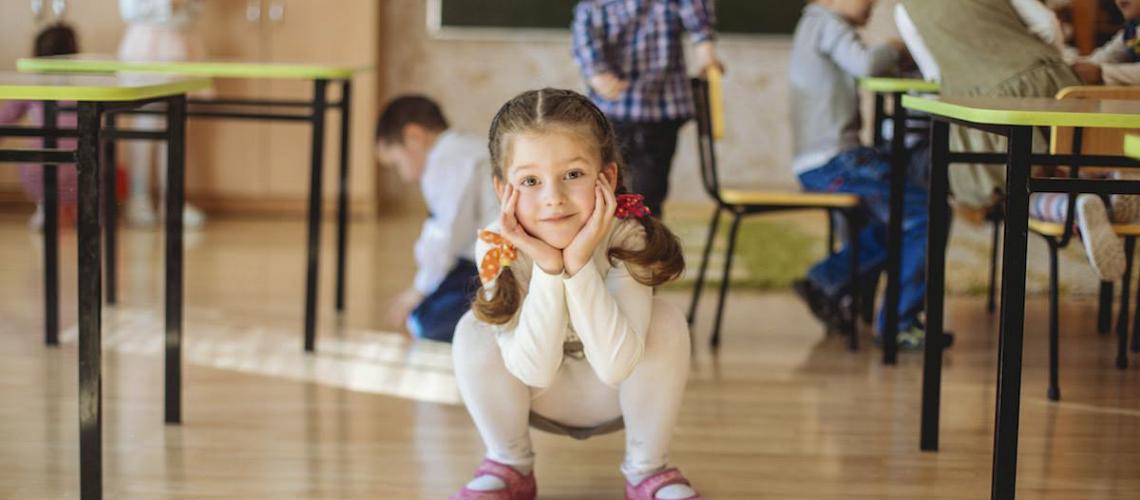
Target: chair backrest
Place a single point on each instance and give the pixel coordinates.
(1099, 141)
(706, 146)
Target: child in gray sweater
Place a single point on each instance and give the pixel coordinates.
(828, 57)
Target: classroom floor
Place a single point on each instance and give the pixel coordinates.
(783, 411)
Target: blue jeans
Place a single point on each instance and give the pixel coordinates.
(866, 172)
(436, 316)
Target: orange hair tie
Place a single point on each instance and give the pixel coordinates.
(498, 257)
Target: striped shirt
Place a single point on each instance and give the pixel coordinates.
(640, 41)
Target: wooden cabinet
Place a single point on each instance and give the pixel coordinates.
(244, 166)
(264, 167)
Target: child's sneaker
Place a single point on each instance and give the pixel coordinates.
(828, 311)
(1103, 247)
(140, 214)
(914, 338)
(1125, 207)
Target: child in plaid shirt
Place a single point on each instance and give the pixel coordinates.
(631, 55)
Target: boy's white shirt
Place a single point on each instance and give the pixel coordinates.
(1113, 60)
(456, 186)
(1040, 20)
(602, 306)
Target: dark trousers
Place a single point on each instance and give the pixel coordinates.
(648, 149)
(435, 318)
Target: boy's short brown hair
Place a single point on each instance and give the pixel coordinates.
(406, 110)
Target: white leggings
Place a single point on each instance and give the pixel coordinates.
(649, 400)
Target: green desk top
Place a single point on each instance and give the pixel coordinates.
(102, 88)
(1042, 112)
(898, 85)
(97, 63)
(1132, 146)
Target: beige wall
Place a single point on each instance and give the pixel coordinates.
(472, 78)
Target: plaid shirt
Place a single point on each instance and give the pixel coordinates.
(640, 41)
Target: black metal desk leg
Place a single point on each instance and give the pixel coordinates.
(935, 283)
(110, 214)
(894, 230)
(315, 192)
(1012, 314)
(90, 302)
(175, 197)
(342, 191)
(50, 228)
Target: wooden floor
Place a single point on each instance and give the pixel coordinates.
(783, 412)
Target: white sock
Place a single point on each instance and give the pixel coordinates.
(487, 482)
(671, 492)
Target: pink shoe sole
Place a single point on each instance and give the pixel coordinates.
(647, 489)
(518, 487)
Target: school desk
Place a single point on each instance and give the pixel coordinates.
(97, 96)
(311, 111)
(1014, 118)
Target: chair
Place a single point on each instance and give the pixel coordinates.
(1057, 235)
(743, 202)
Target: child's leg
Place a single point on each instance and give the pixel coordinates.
(1104, 249)
(648, 150)
(1050, 207)
(651, 397)
(498, 402)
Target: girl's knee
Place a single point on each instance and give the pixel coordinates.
(474, 342)
(668, 329)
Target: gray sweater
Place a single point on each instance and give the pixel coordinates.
(827, 58)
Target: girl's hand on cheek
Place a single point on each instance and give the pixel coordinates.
(581, 249)
(547, 257)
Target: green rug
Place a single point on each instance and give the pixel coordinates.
(771, 251)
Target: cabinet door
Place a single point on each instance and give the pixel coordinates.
(342, 32)
(227, 163)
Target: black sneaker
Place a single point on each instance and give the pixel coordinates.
(828, 311)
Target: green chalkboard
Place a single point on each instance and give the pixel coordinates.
(733, 16)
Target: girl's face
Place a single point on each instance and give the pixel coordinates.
(1129, 8)
(555, 173)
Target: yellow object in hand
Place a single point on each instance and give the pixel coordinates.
(716, 102)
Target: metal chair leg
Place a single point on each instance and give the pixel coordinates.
(870, 293)
(1122, 320)
(1104, 308)
(853, 323)
(714, 341)
(699, 285)
(1054, 392)
(990, 303)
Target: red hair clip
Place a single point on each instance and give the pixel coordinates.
(631, 205)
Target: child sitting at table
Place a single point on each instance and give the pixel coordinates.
(1015, 50)
(828, 56)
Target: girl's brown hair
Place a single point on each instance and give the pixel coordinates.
(658, 262)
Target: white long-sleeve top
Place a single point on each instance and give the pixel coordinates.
(1040, 20)
(601, 306)
(457, 189)
(1115, 67)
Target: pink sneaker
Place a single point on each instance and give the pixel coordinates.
(648, 488)
(519, 487)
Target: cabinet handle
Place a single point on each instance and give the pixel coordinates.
(277, 11)
(58, 7)
(38, 10)
(253, 11)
